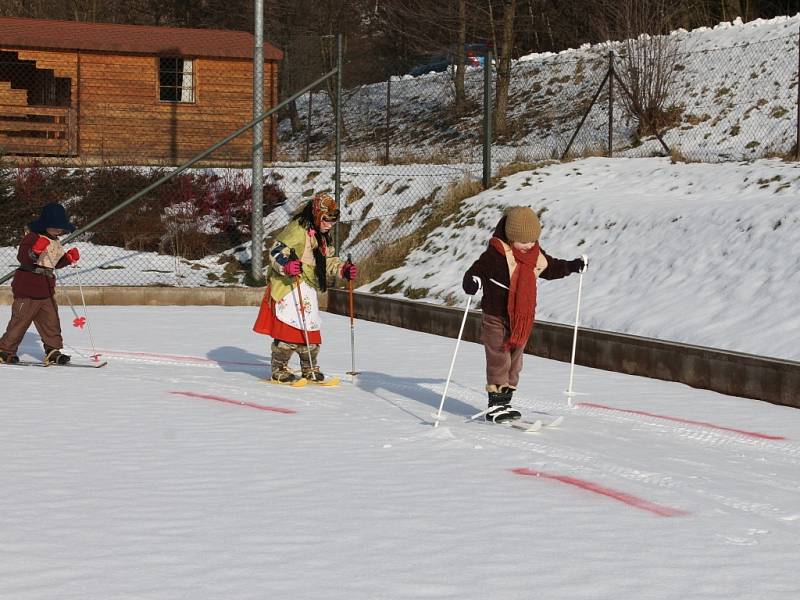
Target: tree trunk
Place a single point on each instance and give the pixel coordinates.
(294, 117)
(504, 69)
(460, 57)
(731, 9)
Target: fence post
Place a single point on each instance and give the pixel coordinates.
(487, 120)
(797, 135)
(338, 176)
(257, 182)
(611, 104)
(585, 115)
(308, 124)
(388, 117)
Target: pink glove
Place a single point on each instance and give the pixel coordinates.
(40, 245)
(72, 255)
(293, 268)
(349, 271)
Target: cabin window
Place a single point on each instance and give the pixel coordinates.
(176, 79)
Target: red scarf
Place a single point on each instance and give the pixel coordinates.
(521, 293)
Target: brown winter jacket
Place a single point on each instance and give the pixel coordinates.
(33, 285)
(492, 265)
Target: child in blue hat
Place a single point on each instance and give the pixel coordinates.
(34, 284)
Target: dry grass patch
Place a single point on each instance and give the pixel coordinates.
(407, 213)
(394, 254)
(366, 231)
(354, 195)
(519, 166)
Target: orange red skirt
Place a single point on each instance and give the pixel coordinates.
(268, 324)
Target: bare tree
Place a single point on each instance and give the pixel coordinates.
(648, 59)
(505, 49)
(461, 58)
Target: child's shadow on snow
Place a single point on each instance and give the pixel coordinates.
(414, 388)
(236, 360)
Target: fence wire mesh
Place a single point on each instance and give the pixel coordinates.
(409, 147)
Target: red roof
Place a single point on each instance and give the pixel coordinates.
(129, 39)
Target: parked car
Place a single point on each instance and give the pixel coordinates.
(434, 63)
(440, 62)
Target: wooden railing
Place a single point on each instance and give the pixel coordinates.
(39, 130)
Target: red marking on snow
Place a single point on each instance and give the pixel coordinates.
(79, 322)
(663, 511)
(755, 434)
(285, 411)
(181, 358)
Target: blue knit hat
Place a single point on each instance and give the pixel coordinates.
(53, 215)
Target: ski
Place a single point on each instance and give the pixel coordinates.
(526, 426)
(296, 383)
(36, 363)
(554, 423)
(330, 382)
(538, 423)
(531, 425)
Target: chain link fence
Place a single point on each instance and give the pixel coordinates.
(411, 150)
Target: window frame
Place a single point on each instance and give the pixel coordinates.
(178, 75)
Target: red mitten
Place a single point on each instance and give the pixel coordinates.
(293, 268)
(40, 245)
(72, 255)
(349, 271)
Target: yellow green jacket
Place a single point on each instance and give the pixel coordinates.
(296, 237)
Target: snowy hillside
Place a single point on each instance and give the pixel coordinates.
(174, 473)
(697, 253)
(735, 91)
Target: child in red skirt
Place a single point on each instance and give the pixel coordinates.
(302, 256)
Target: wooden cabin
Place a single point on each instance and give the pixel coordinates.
(94, 93)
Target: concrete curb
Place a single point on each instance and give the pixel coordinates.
(736, 374)
(153, 296)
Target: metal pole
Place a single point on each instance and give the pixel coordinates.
(797, 137)
(308, 124)
(187, 165)
(570, 393)
(338, 178)
(452, 362)
(388, 116)
(487, 120)
(610, 104)
(257, 224)
(585, 114)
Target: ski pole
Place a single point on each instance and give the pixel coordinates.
(300, 313)
(569, 391)
(95, 355)
(352, 371)
(455, 352)
(79, 321)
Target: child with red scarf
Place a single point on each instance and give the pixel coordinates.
(507, 271)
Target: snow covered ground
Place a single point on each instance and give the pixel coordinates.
(175, 473)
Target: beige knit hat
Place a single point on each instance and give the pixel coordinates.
(522, 225)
